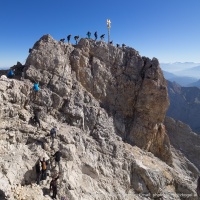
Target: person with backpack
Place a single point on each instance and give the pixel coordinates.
(53, 134)
(44, 169)
(57, 156)
(38, 172)
(10, 74)
(53, 186)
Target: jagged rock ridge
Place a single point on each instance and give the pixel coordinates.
(100, 97)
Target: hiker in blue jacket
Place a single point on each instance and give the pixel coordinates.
(36, 87)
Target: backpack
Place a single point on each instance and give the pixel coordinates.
(44, 166)
(57, 155)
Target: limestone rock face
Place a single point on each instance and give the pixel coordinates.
(184, 139)
(103, 100)
(131, 88)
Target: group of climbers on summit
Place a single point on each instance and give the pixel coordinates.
(76, 38)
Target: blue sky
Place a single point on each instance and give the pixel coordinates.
(166, 29)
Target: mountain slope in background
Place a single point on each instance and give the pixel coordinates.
(168, 75)
(195, 84)
(188, 69)
(185, 104)
(181, 80)
(191, 72)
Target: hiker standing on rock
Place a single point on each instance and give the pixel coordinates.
(57, 156)
(88, 34)
(53, 186)
(95, 35)
(36, 88)
(53, 134)
(44, 169)
(38, 172)
(68, 38)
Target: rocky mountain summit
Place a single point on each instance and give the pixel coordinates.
(109, 104)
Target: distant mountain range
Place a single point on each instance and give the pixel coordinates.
(185, 74)
(178, 66)
(181, 80)
(185, 105)
(195, 84)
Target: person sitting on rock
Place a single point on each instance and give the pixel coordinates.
(118, 45)
(123, 46)
(53, 186)
(10, 74)
(62, 40)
